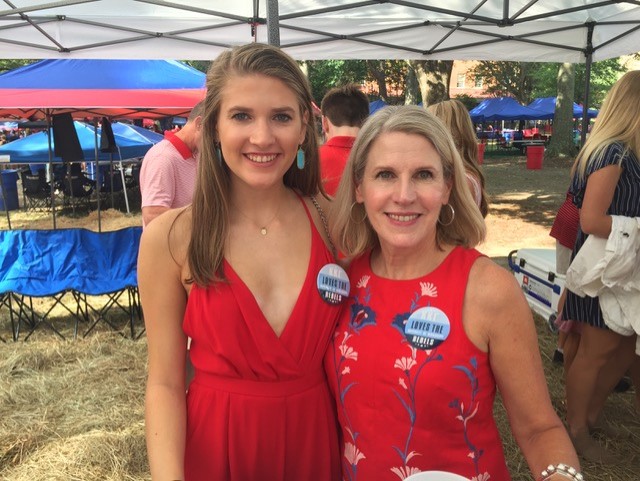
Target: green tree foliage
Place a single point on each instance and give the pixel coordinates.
(468, 101)
(202, 65)
(326, 74)
(389, 77)
(603, 75)
(6, 65)
(513, 79)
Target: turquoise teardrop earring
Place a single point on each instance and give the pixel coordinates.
(300, 159)
(219, 153)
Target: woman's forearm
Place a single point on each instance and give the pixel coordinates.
(549, 447)
(165, 413)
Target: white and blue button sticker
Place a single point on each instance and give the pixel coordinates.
(333, 283)
(427, 328)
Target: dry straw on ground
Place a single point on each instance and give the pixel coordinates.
(73, 410)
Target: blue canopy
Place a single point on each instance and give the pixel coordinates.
(376, 105)
(132, 142)
(107, 74)
(547, 107)
(502, 108)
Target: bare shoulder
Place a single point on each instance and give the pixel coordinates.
(494, 296)
(167, 237)
(493, 284)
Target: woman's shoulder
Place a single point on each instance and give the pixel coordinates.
(169, 234)
(492, 285)
(613, 153)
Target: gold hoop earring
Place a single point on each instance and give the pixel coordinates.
(453, 216)
(357, 221)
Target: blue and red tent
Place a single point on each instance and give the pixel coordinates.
(95, 88)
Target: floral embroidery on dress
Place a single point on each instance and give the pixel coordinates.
(482, 477)
(465, 414)
(361, 316)
(411, 369)
(406, 395)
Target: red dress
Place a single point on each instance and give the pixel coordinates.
(259, 407)
(413, 393)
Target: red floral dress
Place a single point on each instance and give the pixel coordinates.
(413, 393)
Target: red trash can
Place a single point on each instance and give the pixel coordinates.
(535, 154)
(481, 148)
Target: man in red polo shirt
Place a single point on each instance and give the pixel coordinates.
(344, 110)
(168, 172)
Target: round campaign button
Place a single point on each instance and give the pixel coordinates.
(333, 283)
(427, 328)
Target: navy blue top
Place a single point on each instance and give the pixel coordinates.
(626, 202)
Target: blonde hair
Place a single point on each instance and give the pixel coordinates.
(353, 237)
(456, 117)
(210, 206)
(617, 121)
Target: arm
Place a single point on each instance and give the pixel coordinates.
(598, 196)
(500, 321)
(157, 185)
(163, 299)
(151, 212)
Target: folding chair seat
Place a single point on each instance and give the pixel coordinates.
(132, 184)
(77, 191)
(35, 190)
(111, 187)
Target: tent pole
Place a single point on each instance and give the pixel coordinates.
(4, 200)
(587, 82)
(96, 171)
(273, 23)
(52, 177)
(124, 186)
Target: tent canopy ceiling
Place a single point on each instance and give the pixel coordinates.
(543, 30)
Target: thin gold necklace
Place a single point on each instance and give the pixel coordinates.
(264, 230)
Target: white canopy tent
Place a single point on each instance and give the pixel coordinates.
(524, 30)
(519, 30)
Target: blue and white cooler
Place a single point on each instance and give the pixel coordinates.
(535, 270)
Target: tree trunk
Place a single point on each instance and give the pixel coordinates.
(433, 77)
(561, 144)
(376, 69)
(411, 90)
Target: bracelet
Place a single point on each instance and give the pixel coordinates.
(568, 472)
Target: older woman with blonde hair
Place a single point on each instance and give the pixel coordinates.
(432, 326)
